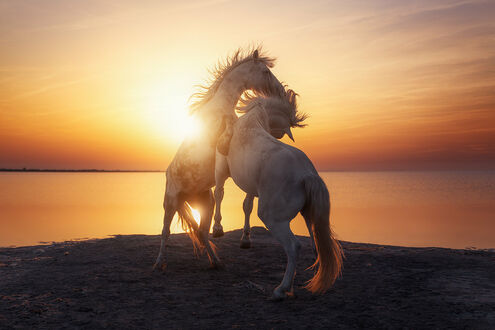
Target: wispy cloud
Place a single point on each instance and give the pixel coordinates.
(408, 75)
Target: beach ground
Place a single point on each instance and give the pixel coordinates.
(109, 283)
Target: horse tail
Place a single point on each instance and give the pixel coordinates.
(329, 260)
(189, 225)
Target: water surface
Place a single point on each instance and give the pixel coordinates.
(448, 209)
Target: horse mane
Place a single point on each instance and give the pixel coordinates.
(288, 104)
(222, 68)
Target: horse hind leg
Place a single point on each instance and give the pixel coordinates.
(170, 205)
(206, 204)
(247, 206)
(283, 234)
(310, 229)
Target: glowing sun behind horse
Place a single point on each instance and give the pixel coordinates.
(167, 112)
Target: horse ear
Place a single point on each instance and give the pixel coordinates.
(255, 54)
(289, 133)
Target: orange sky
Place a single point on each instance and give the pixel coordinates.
(388, 84)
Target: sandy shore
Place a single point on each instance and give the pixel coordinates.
(109, 283)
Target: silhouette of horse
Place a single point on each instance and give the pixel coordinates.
(286, 183)
(191, 174)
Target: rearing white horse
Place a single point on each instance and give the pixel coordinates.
(280, 125)
(191, 174)
(286, 183)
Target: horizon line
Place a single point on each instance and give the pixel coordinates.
(93, 170)
(71, 170)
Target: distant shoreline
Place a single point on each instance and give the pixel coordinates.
(77, 170)
(163, 171)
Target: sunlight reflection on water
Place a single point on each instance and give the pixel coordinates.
(449, 209)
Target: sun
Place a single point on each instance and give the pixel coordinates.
(196, 215)
(166, 112)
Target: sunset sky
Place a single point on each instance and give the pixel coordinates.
(387, 84)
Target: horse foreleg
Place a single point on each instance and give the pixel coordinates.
(281, 231)
(247, 206)
(170, 205)
(217, 227)
(221, 174)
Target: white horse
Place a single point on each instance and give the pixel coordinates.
(280, 125)
(286, 183)
(191, 174)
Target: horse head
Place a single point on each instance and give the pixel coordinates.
(242, 71)
(282, 112)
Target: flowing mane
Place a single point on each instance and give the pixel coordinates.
(288, 103)
(221, 69)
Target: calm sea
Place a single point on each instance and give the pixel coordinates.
(447, 209)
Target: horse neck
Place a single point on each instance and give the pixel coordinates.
(226, 96)
(258, 117)
(213, 113)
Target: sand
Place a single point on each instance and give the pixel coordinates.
(108, 283)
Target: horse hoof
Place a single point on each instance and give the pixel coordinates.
(159, 266)
(280, 294)
(245, 244)
(277, 296)
(217, 266)
(218, 232)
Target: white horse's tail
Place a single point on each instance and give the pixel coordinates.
(189, 225)
(329, 260)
